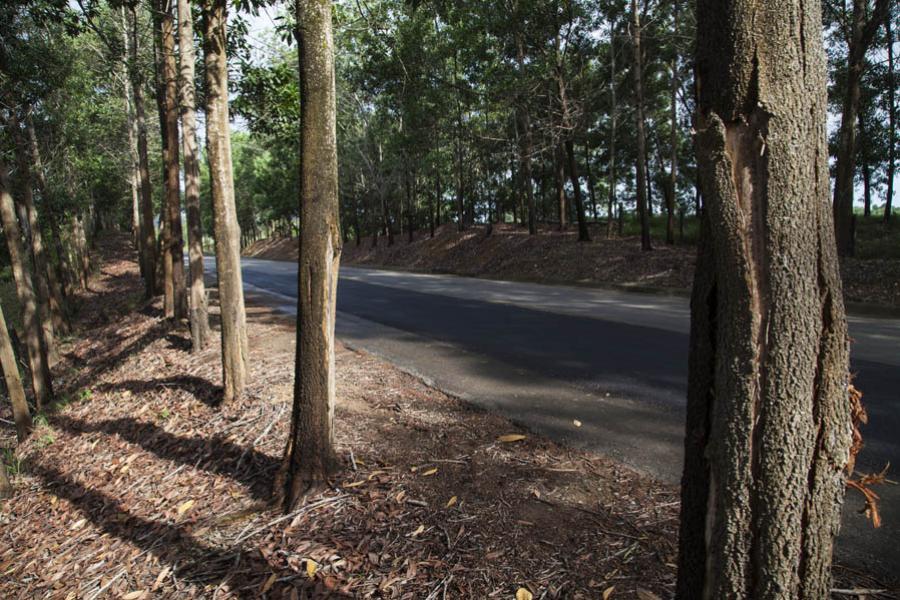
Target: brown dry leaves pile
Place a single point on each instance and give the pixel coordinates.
(141, 487)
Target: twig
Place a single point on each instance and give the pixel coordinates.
(296, 513)
(108, 583)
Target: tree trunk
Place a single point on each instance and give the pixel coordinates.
(199, 313)
(309, 456)
(36, 241)
(768, 414)
(862, 32)
(6, 489)
(867, 189)
(892, 121)
(613, 110)
(673, 138)
(41, 382)
(590, 178)
(562, 209)
(641, 167)
(227, 231)
(526, 141)
(583, 233)
(14, 388)
(173, 243)
(148, 231)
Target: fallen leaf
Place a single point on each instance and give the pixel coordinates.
(134, 595)
(577, 423)
(78, 524)
(268, 584)
(160, 578)
(185, 506)
(311, 568)
(418, 530)
(511, 437)
(608, 592)
(451, 501)
(430, 472)
(643, 594)
(523, 594)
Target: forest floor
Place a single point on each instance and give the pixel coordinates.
(139, 485)
(556, 257)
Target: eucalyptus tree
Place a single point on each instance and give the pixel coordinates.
(768, 414)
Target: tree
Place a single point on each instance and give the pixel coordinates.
(309, 456)
(641, 166)
(199, 314)
(148, 231)
(892, 120)
(768, 415)
(14, 388)
(227, 232)
(172, 242)
(6, 489)
(859, 33)
(34, 334)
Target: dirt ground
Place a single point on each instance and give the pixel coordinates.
(556, 257)
(140, 485)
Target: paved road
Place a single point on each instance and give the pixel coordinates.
(616, 361)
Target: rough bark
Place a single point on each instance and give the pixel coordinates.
(768, 415)
(862, 31)
(173, 242)
(148, 231)
(14, 388)
(309, 456)
(199, 313)
(641, 167)
(227, 230)
(34, 336)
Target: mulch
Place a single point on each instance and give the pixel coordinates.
(141, 485)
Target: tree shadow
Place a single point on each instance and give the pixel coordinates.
(201, 389)
(247, 466)
(178, 342)
(191, 560)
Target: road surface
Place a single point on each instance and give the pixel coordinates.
(616, 361)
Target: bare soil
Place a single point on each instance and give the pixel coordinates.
(554, 256)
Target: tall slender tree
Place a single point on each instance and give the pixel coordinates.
(641, 166)
(891, 110)
(221, 177)
(309, 456)
(768, 415)
(41, 382)
(199, 314)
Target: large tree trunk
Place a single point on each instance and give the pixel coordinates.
(227, 230)
(641, 167)
(768, 415)
(173, 243)
(892, 122)
(309, 456)
(861, 33)
(34, 335)
(199, 313)
(613, 110)
(14, 388)
(148, 231)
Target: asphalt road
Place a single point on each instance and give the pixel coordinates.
(616, 361)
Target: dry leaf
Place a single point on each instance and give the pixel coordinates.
(185, 506)
(577, 423)
(430, 472)
(643, 594)
(523, 594)
(78, 524)
(269, 583)
(160, 577)
(134, 595)
(511, 437)
(311, 568)
(418, 530)
(608, 592)
(451, 501)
